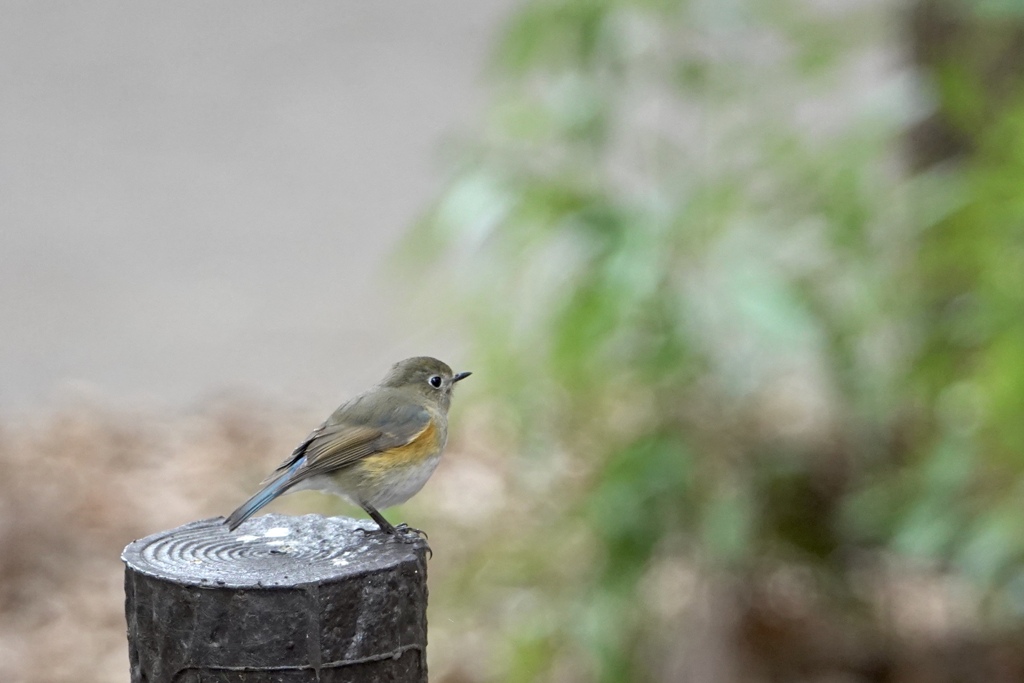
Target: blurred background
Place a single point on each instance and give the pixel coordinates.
(741, 284)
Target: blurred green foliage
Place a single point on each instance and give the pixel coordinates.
(723, 323)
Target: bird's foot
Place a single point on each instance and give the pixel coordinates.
(410, 532)
(407, 534)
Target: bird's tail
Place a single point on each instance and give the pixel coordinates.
(274, 488)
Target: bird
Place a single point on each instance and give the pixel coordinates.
(376, 450)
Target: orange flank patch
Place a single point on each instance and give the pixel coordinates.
(419, 448)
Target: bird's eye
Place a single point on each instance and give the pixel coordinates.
(435, 381)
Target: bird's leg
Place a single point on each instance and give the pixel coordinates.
(384, 524)
(402, 532)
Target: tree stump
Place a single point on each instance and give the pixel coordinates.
(281, 599)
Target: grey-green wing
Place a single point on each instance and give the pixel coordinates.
(367, 424)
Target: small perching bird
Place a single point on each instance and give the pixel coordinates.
(377, 449)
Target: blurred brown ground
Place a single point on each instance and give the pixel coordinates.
(99, 478)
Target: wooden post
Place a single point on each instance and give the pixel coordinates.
(282, 599)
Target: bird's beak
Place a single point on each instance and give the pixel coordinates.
(461, 375)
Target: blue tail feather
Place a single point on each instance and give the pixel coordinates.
(272, 490)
